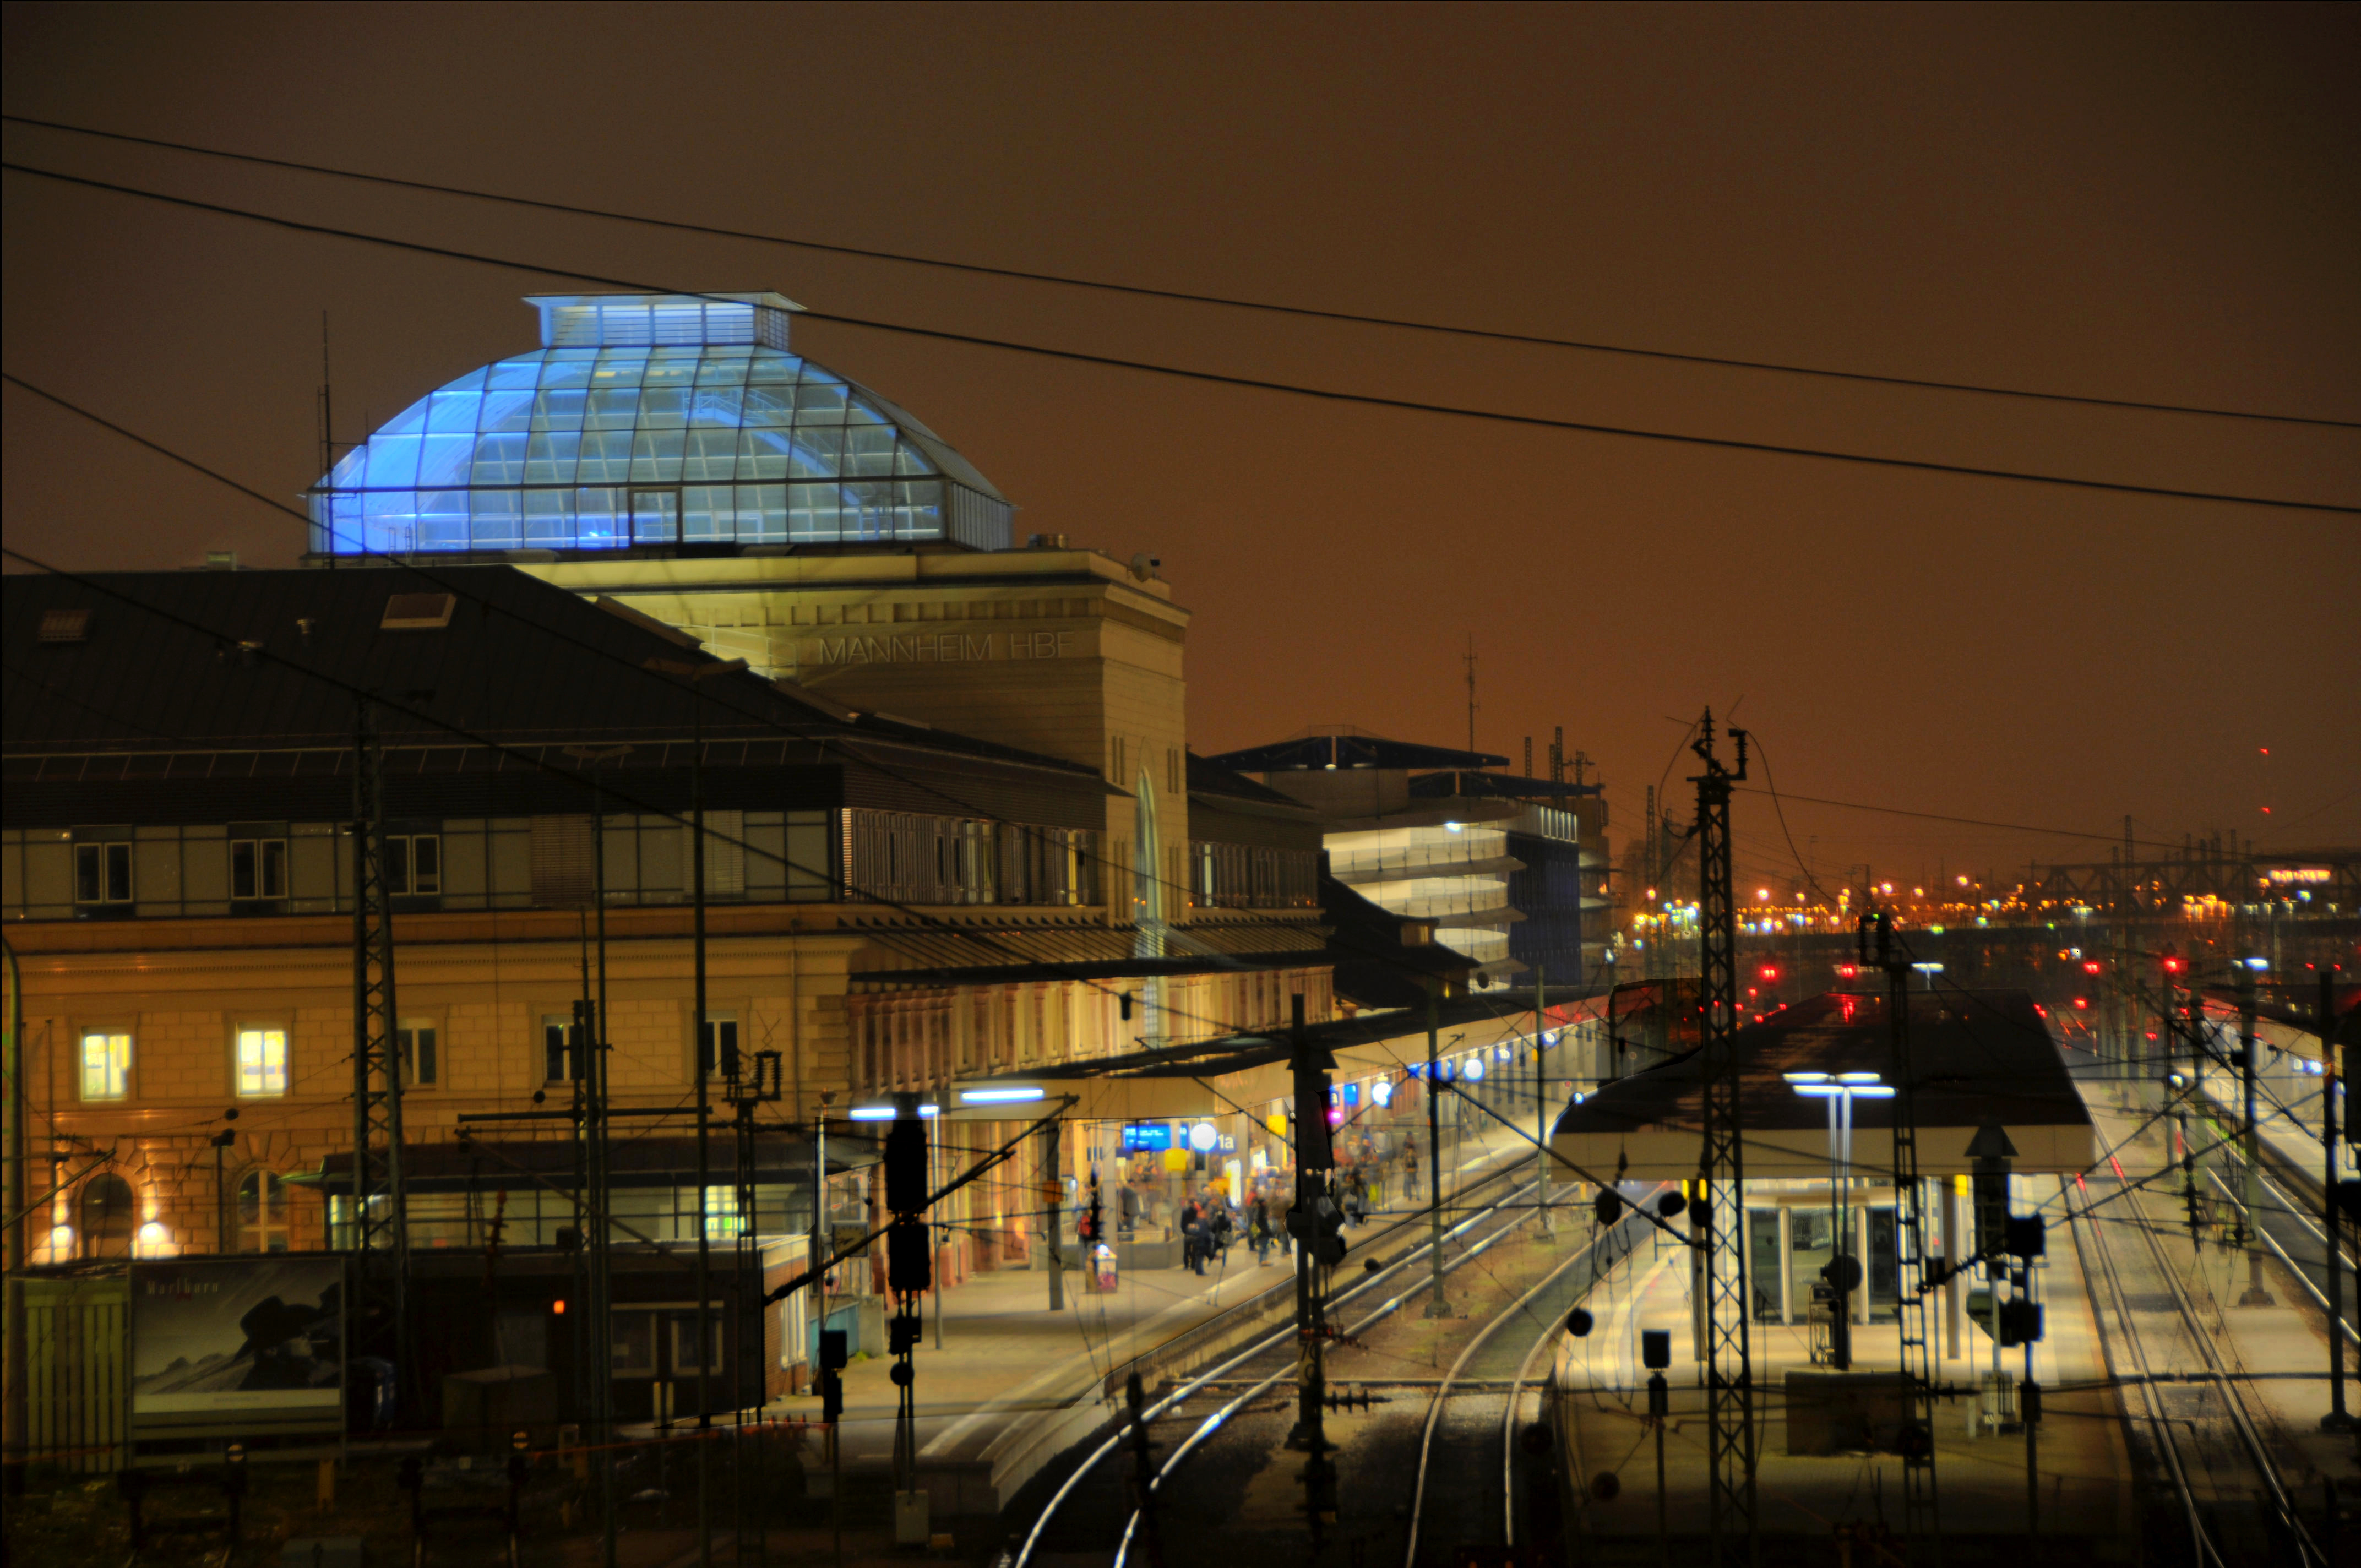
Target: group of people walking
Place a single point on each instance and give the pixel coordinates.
(1208, 1225)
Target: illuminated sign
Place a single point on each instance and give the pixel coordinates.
(2286, 874)
(1147, 1140)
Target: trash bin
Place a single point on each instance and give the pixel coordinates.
(1103, 1261)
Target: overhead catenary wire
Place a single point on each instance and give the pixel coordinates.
(695, 693)
(543, 763)
(1214, 377)
(1183, 296)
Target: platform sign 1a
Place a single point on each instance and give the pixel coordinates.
(237, 1347)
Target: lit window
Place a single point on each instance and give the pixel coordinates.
(560, 1061)
(103, 873)
(413, 863)
(105, 1066)
(415, 1045)
(257, 868)
(261, 1063)
(723, 1220)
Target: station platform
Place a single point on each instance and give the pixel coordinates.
(2079, 1463)
(1011, 1386)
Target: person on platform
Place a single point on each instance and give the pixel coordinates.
(1258, 1223)
(1218, 1226)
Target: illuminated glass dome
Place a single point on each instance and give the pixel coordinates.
(652, 420)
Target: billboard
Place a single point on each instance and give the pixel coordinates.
(237, 1347)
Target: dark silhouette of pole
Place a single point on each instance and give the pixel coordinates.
(704, 1150)
(2337, 1419)
(1436, 1306)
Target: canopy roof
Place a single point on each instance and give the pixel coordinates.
(1975, 1058)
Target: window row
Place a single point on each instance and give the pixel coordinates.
(1247, 876)
(550, 861)
(532, 1216)
(258, 1054)
(622, 451)
(661, 511)
(624, 364)
(106, 1218)
(258, 1063)
(913, 858)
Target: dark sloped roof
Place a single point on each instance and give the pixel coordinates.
(1459, 783)
(1373, 965)
(273, 662)
(1350, 752)
(1206, 777)
(1975, 1057)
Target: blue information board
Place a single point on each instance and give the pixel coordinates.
(1151, 1139)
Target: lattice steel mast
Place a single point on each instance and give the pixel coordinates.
(1720, 1221)
(1922, 1512)
(380, 1218)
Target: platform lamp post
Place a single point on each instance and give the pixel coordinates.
(2256, 1293)
(1841, 1090)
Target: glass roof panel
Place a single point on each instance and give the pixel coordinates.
(549, 449)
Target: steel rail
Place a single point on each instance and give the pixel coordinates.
(2239, 1416)
(1180, 1394)
(1213, 1422)
(1516, 1392)
(2161, 1423)
(2319, 1296)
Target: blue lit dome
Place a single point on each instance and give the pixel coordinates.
(652, 420)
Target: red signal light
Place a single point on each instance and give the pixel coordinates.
(2091, 966)
(1770, 972)
(2172, 966)
(2082, 1001)
(1848, 971)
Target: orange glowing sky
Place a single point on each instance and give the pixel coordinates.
(2151, 203)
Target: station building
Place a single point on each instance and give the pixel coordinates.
(1510, 872)
(953, 825)
(954, 836)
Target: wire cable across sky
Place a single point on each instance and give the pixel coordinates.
(1365, 400)
(1226, 301)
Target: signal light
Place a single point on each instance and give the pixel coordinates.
(1848, 971)
(1770, 971)
(2082, 1001)
(558, 1306)
(2091, 966)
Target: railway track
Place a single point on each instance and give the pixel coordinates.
(2228, 1505)
(1469, 1483)
(1393, 1475)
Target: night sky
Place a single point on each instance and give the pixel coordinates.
(2161, 204)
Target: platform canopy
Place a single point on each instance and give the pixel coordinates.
(1975, 1058)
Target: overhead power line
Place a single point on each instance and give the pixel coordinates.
(404, 564)
(1364, 400)
(1184, 296)
(2111, 838)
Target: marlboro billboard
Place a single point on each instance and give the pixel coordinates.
(237, 1347)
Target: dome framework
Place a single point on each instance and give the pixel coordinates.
(658, 422)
